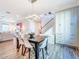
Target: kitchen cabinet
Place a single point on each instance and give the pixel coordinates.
(67, 26)
(5, 36)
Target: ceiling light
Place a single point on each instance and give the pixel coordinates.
(32, 1)
(7, 12)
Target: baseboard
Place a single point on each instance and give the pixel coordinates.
(6, 41)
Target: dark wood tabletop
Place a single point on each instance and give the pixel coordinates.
(36, 41)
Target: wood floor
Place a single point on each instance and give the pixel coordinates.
(8, 51)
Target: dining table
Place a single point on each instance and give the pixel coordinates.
(36, 42)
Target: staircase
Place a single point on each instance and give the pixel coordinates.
(60, 51)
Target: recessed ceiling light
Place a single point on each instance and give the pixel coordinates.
(7, 12)
(49, 13)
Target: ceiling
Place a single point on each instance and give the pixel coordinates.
(25, 8)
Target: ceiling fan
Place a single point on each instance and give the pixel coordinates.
(32, 1)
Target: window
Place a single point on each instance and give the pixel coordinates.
(4, 28)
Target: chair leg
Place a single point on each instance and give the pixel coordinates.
(25, 52)
(43, 53)
(19, 48)
(29, 53)
(22, 49)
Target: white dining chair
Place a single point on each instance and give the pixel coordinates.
(17, 37)
(24, 43)
(43, 46)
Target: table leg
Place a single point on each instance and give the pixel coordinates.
(17, 42)
(36, 51)
(17, 46)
